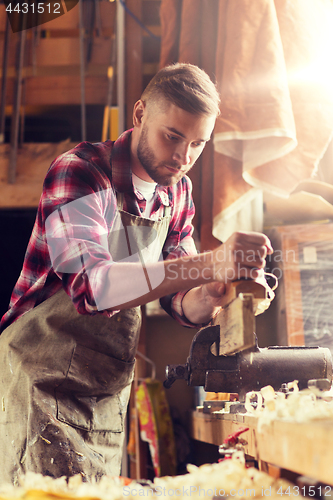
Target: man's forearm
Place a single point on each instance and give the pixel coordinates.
(130, 284)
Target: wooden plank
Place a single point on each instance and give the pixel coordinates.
(65, 90)
(214, 429)
(60, 52)
(237, 318)
(237, 325)
(32, 164)
(54, 71)
(293, 291)
(66, 51)
(62, 90)
(244, 286)
(305, 448)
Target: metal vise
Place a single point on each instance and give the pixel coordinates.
(250, 369)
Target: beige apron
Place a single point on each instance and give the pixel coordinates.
(65, 382)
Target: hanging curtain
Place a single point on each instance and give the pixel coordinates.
(272, 64)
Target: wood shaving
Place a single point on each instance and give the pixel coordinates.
(227, 478)
(299, 406)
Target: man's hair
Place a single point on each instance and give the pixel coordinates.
(185, 86)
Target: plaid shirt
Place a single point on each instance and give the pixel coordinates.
(86, 171)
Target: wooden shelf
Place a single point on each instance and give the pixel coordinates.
(303, 448)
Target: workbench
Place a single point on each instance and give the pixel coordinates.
(303, 448)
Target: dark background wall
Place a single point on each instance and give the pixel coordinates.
(15, 230)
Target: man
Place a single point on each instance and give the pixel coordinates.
(106, 213)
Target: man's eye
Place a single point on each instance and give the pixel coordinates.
(172, 137)
(197, 144)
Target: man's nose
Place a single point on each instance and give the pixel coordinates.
(182, 154)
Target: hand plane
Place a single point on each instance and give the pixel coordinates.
(224, 356)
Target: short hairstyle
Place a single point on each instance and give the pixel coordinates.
(185, 86)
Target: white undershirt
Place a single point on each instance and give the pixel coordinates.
(147, 189)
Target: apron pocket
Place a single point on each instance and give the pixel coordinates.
(89, 414)
(95, 393)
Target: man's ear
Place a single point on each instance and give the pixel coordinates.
(139, 110)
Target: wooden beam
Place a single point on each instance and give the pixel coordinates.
(33, 161)
(237, 325)
(58, 71)
(62, 90)
(237, 318)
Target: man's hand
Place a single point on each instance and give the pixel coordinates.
(213, 293)
(202, 303)
(241, 256)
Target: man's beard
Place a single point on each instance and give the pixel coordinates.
(148, 161)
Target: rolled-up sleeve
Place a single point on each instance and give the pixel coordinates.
(77, 238)
(180, 243)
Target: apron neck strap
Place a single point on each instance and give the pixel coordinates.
(120, 203)
(120, 200)
(167, 211)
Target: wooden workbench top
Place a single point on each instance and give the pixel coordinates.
(305, 448)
